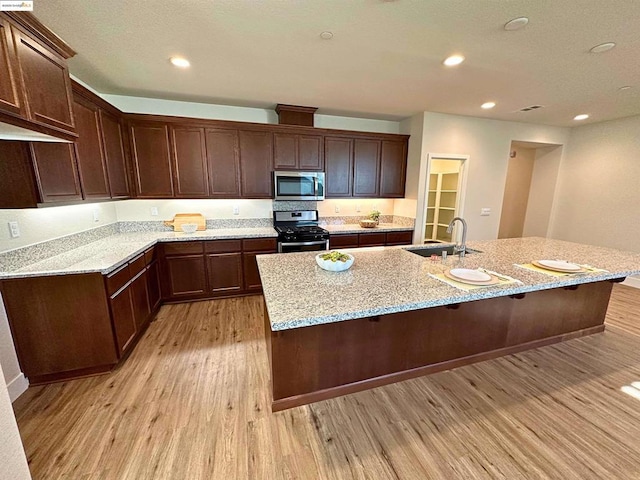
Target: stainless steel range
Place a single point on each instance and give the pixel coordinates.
(298, 231)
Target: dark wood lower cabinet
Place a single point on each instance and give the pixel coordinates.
(353, 240)
(185, 276)
(124, 324)
(140, 300)
(153, 285)
(315, 363)
(251, 273)
(224, 272)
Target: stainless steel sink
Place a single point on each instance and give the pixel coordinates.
(427, 251)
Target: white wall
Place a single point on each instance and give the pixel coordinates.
(13, 462)
(13, 376)
(140, 210)
(41, 224)
(487, 142)
(156, 106)
(544, 179)
(598, 194)
(350, 206)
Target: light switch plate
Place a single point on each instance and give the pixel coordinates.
(96, 215)
(154, 211)
(236, 210)
(485, 212)
(337, 209)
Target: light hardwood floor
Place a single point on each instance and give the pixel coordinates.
(192, 403)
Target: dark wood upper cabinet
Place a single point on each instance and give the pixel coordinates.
(223, 162)
(151, 159)
(393, 168)
(10, 93)
(18, 188)
(256, 163)
(338, 160)
(113, 142)
(366, 168)
(297, 152)
(46, 83)
(89, 150)
(189, 155)
(56, 171)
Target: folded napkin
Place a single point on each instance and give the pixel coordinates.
(534, 268)
(502, 280)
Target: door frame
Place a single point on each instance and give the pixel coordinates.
(424, 192)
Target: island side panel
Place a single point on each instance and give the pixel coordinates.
(325, 361)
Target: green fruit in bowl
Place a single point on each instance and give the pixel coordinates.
(335, 257)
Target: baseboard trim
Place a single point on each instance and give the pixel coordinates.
(17, 386)
(632, 282)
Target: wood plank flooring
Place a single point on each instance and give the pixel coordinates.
(192, 403)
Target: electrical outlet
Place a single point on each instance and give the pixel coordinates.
(236, 209)
(337, 209)
(485, 212)
(14, 229)
(154, 211)
(358, 208)
(374, 207)
(96, 215)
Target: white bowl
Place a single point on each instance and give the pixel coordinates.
(189, 227)
(334, 266)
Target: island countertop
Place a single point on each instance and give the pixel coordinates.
(386, 280)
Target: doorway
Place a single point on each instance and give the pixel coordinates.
(444, 195)
(532, 174)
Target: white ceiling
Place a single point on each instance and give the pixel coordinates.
(383, 62)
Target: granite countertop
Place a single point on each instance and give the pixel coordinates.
(355, 228)
(107, 254)
(386, 280)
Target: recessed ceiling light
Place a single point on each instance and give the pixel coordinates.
(453, 60)
(488, 105)
(603, 47)
(180, 62)
(516, 23)
(326, 35)
(582, 116)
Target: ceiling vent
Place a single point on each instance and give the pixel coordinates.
(532, 107)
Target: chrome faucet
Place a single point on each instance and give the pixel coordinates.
(462, 248)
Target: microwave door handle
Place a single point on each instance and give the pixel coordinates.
(315, 186)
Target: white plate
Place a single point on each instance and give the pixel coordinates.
(470, 275)
(560, 265)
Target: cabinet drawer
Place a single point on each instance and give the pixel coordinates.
(223, 246)
(350, 240)
(372, 239)
(259, 245)
(399, 238)
(150, 255)
(182, 248)
(116, 280)
(136, 265)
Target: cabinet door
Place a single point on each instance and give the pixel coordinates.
(189, 162)
(251, 273)
(46, 83)
(10, 100)
(186, 276)
(91, 164)
(153, 285)
(338, 161)
(140, 299)
(285, 151)
(124, 323)
(223, 162)
(114, 155)
(393, 166)
(17, 183)
(372, 239)
(224, 272)
(366, 168)
(152, 167)
(56, 172)
(344, 241)
(256, 164)
(310, 152)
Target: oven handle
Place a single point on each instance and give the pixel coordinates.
(302, 244)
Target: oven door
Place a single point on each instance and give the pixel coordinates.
(287, 247)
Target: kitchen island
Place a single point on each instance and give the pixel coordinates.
(387, 319)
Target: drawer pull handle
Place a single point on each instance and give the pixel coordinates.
(571, 287)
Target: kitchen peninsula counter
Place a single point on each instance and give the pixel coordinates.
(386, 319)
(107, 254)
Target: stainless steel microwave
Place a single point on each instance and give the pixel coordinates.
(298, 185)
